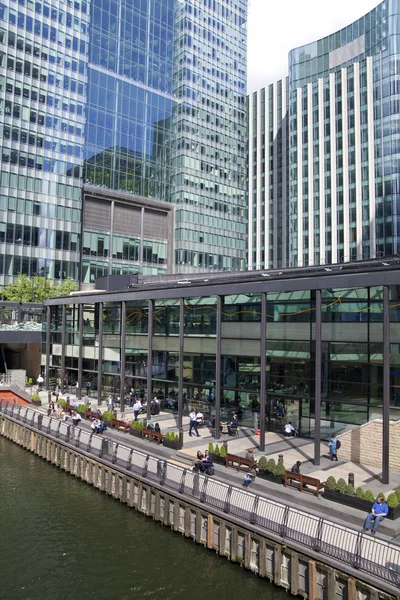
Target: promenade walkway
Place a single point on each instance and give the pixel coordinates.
(372, 555)
(292, 449)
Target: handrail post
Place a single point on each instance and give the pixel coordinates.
(317, 539)
(357, 553)
(40, 421)
(145, 466)
(114, 456)
(129, 464)
(182, 484)
(227, 503)
(282, 531)
(77, 439)
(253, 515)
(89, 444)
(203, 493)
(58, 430)
(68, 434)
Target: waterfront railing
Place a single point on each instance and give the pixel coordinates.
(377, 557)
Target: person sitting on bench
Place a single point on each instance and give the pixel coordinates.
(206, 462)
(296, 467)
(157, 428)
(289, 430)
(150, 425)
(232, 427)
(76, 418)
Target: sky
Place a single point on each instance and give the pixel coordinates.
(276, 27)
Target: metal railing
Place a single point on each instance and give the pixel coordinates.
(371, 555)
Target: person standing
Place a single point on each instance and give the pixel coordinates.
(136, 408)
(88, 386)
(193, 423)
(40, 381)
(379, 511)
(333, 446)
(132, 397)
(110, 403)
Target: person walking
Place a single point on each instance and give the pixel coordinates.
(379, 511)
(334, 446)
(40, 381)
(110, 403)
(132, 397)
(88, 386)
(193, 423)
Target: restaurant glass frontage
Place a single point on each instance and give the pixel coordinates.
(272, 350)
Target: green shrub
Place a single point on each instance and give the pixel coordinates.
(397, 492)
(360, 494)
(381, 495)
(341, 485)
(171, 436)
(279, 470)
(222, 451)
(349, 491)
(216, 450)
(330, 484)
(108, 416)
(35, 397)
(262, 463)
(393, 501)
(135, 425)
(211, 448)
(82, 409)
(369, 496)
(271, 465)
(61, 402)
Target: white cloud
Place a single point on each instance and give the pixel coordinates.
(275, 28)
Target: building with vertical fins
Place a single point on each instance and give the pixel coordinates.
(123, 135)
(324, 150)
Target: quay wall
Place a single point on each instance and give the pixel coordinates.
(298, 570)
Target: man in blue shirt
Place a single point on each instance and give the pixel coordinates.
(379, 511)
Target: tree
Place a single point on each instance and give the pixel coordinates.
(37, 289)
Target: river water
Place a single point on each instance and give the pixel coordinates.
(61, 539)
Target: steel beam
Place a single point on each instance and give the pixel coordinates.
(263, 368)
(149, 357)
(181, 356)
(100, 356)
(386, 386)
(218, 369)
(122, 356)
(318, 380)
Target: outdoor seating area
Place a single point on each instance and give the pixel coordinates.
(152, 435)
(303, 482)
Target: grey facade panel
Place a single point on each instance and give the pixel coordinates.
(347, 52)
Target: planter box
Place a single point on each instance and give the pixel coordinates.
(136, 432)
(270, 477)
(218, 460)
(364, 505)
(173, 445)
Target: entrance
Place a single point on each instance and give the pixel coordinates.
(282, 409)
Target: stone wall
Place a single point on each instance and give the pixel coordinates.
(364, 444)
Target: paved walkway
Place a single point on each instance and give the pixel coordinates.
(292, 449)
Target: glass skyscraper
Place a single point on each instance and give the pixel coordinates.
(134, 105)
(340, 136)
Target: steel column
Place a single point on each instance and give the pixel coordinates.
(181, 355)
(48, 321)
(386, 386)
(122, 356)
(218, 370)
(318, 380)
(80, 358)
(149, 357)
(263, 367)
(100, 356)
(63, 327)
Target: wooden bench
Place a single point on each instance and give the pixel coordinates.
(303, 482)
(117, 424)
(240, 460)
(152, 435)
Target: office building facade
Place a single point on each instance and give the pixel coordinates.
(317, 348)
(145, 99)
(341, 145)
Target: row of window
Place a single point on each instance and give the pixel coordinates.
(28, 47)
(38, 237)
